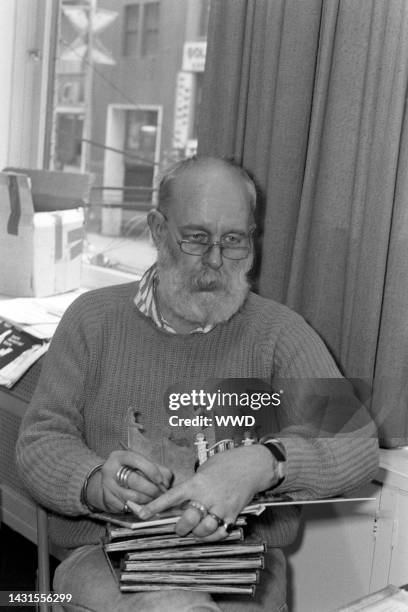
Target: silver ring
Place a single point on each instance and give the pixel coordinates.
(228, 526)
(201, 509)
(125, 477)
(126, 507)
(220, 522)
(120, 473)
(122, 476)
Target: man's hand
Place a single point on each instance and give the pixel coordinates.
(146, 482)
(224, 485)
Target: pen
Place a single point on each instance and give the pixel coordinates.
(161, 486)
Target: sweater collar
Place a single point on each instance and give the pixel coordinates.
(146, 302)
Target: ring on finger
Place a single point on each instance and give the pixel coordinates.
(126, 507)
(220, 522)
(122, 476)
(201, 509)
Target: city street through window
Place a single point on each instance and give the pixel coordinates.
(128, 84)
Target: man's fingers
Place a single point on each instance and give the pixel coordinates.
(173, 497)
(167, 475)
(214, 524)
(137, 482)
(122, 495)
(219, 534)
(136, 496)
(112, 502)
(206, 527)
(139, 462)
(189, 520)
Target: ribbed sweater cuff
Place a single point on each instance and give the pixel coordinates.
(301, 457)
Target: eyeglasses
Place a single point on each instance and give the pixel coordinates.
(202, 247)
(232, 246)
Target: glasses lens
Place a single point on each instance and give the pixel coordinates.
(236, 253)
(193, 248)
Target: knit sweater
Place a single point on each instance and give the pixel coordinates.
(106, 357)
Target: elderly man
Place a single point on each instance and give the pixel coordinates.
(117, 350)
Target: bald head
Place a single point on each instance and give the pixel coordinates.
(199, 174)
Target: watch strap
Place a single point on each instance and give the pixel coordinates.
(277, 449)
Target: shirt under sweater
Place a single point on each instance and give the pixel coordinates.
(107, 357)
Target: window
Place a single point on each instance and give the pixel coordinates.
(131, 35)
(68, 132)
(150, 36)
(114, 116)
(141, 29)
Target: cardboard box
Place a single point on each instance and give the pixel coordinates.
(53, 190)
(40, 252)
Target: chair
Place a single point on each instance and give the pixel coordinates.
(43, 557)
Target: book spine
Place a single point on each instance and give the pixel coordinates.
(197, 552)
(179, 566)
(191, 578)
(215, 588)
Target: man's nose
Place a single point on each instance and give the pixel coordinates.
(213, 257)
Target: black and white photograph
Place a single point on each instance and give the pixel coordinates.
(203, 305)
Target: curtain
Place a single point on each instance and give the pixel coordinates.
(310, 97)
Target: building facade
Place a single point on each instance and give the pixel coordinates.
(128, 89)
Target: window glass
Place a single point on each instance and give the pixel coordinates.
(127, 93)
(131, 32)
(132, 17)
(69, 127)
(150, 28)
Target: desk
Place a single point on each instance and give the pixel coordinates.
(17, 510)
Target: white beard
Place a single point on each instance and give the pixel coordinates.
(205, 297)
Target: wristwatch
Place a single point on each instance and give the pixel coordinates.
(278, 451)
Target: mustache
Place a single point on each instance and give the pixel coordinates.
(207, 280)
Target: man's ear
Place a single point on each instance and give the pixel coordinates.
(155, 221)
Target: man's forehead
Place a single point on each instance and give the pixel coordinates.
(210, 193)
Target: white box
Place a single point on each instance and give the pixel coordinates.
(40, 253)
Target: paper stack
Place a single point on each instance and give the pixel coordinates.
(153, 557)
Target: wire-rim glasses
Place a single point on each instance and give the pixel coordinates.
(203, 246)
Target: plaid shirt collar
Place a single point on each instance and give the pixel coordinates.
(146, 302)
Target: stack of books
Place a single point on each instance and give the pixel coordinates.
(150, 556)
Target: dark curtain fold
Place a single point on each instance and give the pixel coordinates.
(310, 97)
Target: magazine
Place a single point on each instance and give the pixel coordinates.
(131, 522)
(18, 351)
